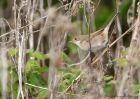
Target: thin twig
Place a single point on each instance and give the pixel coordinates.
(36, 86)
(73, 82)
(81, 62)
(14, 30)
(88, 26)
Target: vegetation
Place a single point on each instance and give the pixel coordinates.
(39, 60)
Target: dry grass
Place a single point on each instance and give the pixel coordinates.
(33, 27)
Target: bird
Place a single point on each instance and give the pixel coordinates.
(98, 39)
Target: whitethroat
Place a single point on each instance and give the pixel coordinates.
(98, 39)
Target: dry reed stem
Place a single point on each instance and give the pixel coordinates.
(57, 39)
(127, 69)
(20, 67)
(3, 64)
(21, 21)
(20, 31)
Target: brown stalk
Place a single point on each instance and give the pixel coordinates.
(127, 69)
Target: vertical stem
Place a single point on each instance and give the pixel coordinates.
(49, 3)
(139, 81)
(88, 26)
(4, 72)
(20, 64)
(31, 38)
(3, 62)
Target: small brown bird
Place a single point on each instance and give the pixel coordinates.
(98, 39)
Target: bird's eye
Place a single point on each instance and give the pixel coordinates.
(75, 38)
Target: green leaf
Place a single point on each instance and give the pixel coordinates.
(29, 51)
(39, 55)
(66, 58)
(121, 61)
(42, 94)
(12, 51)
(108, 78)
(101, 18)
(81, 5)
(68, 75)
(31, 64)
(75, 70)
(43, 69)
(72, 47)
(136, 88)
(15, 90)
(124, 7)
(67, 82)
(62, 86)
(35, 79)
(108, 89)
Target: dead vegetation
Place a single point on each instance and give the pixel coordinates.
(39, 60)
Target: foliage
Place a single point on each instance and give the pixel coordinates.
(35, 63)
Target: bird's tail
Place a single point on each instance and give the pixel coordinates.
(106, 29)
